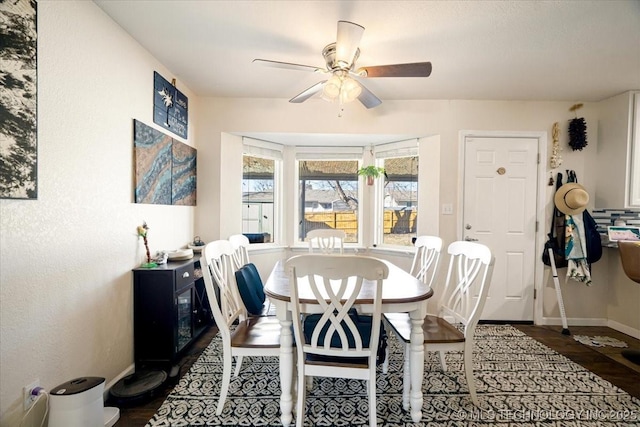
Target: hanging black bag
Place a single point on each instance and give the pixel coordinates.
(556, 236)
(593, 243)
(592, 237)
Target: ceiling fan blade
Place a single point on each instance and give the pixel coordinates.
(308, 93)
(347, 42)
(415, 69)
(367, 97)
(288, 65)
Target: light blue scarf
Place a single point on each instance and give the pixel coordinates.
(575, 250)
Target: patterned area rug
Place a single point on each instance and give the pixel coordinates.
(519, 381)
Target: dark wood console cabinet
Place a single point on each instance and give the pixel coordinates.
(170, 310)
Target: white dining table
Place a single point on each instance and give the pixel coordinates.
(401, 292)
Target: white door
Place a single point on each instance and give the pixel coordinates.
(499, 210)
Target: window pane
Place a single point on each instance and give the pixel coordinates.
(257, 196)
(328, 191)
(400, 201)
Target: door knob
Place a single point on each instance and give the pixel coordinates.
(470, 239)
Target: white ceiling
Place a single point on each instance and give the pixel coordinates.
(571, 51)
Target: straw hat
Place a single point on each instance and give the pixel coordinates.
(571, 198)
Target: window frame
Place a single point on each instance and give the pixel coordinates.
(325, 153)
(270, 151)
(406, 148)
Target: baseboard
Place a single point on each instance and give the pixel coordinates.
(128, 371)
(557, 321)
(635, 333)
(505, 322)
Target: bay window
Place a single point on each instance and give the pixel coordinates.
(261, 171)
(328, 193)
(397, 195)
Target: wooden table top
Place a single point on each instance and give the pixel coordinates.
(398, 288)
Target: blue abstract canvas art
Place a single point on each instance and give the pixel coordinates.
(165, 168)
(153, 152)
(183, 175)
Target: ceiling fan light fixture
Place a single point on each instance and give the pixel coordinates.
(332, 88)
(347, 41)
(350, 90)
(341, 88)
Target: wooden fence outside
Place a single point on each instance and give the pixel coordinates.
(396, 222)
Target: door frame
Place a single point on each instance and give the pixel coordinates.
(541, 202)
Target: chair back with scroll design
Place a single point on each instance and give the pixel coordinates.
(425, 267)
(240, 243)
(334, 346)
(326, 240)
(426, 260)
(462, 300)
(253, 336)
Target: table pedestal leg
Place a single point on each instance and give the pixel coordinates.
(286, 371)
(416, 361)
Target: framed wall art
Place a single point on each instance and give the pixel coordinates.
(18, 137)
(165, 168)
(170, 106)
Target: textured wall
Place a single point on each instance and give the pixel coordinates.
(66, 258)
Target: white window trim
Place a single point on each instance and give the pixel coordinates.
(325, 153)
(272, 151)
(406, 148)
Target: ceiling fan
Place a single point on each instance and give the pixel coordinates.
(340, 58)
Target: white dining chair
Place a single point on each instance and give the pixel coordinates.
(460, 307)
(334, 346)
(425, 267)
(253, 336)
(240, 244)
(326, 240)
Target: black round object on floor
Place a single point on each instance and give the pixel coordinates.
(632, 355)
(137, 387)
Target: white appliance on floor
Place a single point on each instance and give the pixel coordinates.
(79, 403)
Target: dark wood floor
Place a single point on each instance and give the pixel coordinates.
(605, 362)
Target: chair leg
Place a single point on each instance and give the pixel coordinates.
(385, 364)
(443, 361)
(226, 379)
(300, 401)
(373, 416)
(406, 378)
(238, 366)
(468, 371)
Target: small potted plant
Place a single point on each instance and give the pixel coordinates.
(371, 172)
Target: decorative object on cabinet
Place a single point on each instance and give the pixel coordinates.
(18, 95)
(577, 130)
(371, 172)
(196, 245)
(556, 156)
(180, 254)
(165, 168)
(142, 232)
(170, 106)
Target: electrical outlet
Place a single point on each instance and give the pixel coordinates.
(28, 398)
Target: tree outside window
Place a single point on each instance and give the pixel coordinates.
(328, 197)
(400, 200)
